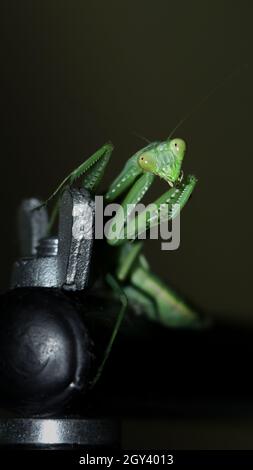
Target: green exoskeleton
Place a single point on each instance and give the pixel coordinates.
(163, 159)
(133, 283)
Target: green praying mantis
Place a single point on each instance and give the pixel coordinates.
(132, 281)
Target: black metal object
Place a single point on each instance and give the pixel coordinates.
(62, 261)
(45, 350)
(45, 355)
(59, 433)
(45, 346)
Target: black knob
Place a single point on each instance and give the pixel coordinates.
(45, 353)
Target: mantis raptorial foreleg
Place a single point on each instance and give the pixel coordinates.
(94, 166)
(164, 209)
(133, 197)
(125, 179)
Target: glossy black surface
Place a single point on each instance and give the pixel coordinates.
(58, 433)
(44, 350)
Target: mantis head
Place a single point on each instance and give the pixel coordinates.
(164, 159)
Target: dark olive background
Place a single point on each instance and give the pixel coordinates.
(77, 74)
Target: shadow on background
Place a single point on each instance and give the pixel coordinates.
(209, 434)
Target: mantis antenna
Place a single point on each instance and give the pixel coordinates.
(142, 137)
(219, 85)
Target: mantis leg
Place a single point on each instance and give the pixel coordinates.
(123, 299)
(150, 296)
(140, 302)
(127, 256)
(165, 208)
(128, 175)
(93, 168)
(164, 305)
(125, 179)
(95, 164)
(115, 235)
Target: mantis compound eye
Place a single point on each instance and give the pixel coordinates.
(146, 162)
(178, 147)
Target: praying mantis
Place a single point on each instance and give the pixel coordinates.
(132, 281)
